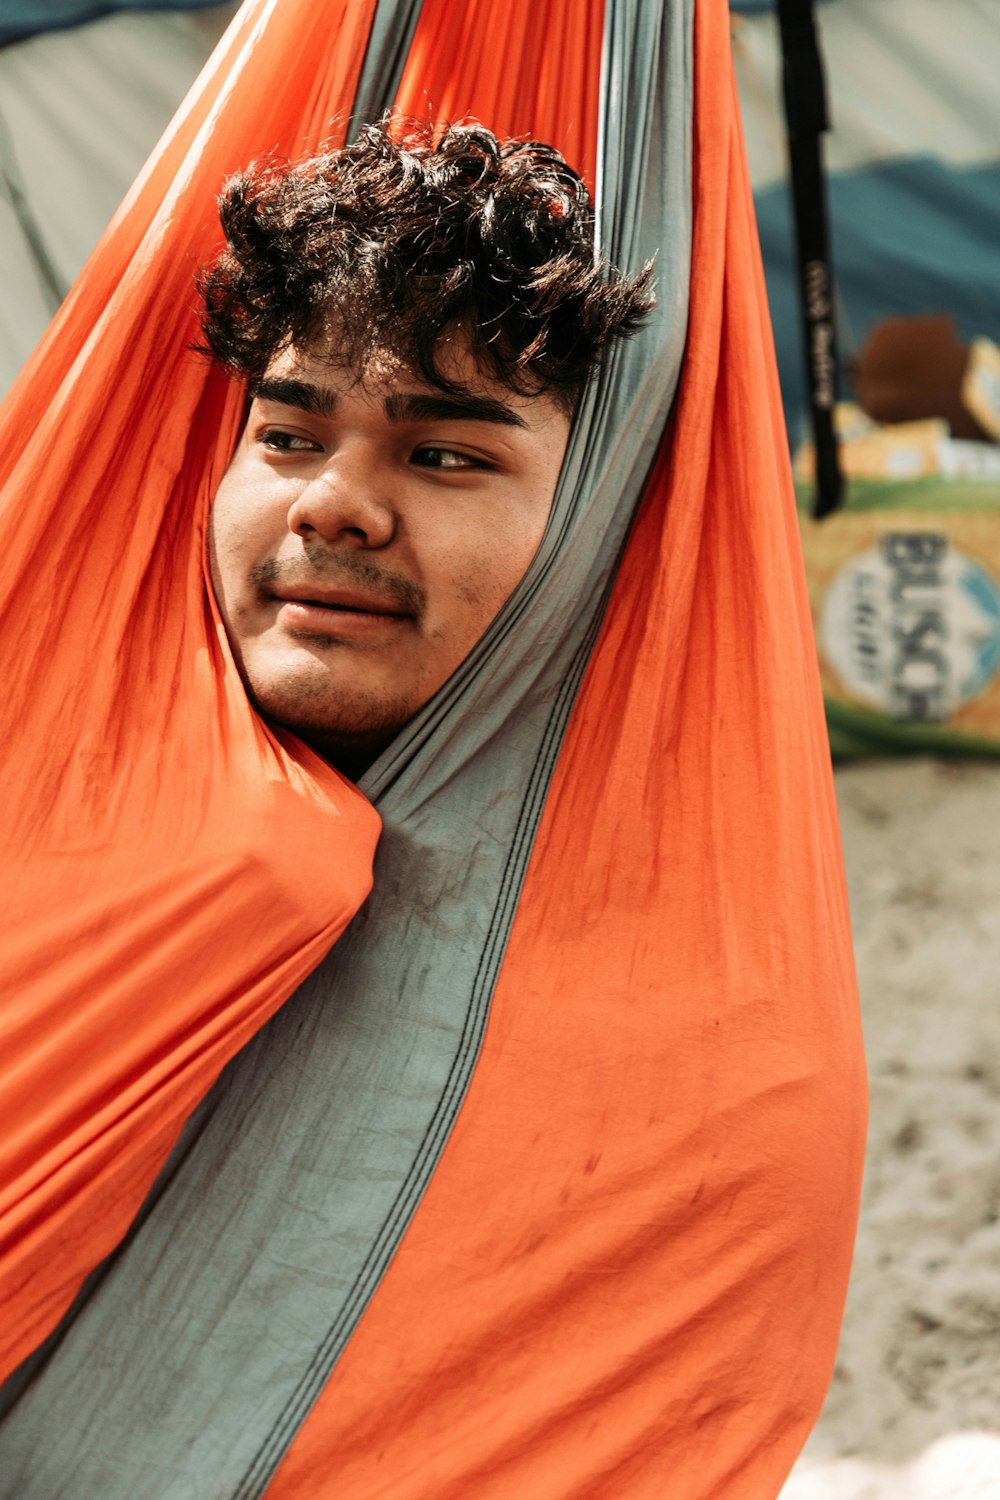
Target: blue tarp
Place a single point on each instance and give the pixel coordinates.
(916, 235)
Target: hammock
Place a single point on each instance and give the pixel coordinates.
(545, 1182)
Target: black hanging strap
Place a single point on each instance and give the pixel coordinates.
(806, 117)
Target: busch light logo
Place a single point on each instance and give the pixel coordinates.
(912, 626)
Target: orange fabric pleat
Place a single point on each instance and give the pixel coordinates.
(627, 1274)
(171, 869)
(522, 69)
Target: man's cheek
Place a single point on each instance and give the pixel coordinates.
(227, 566)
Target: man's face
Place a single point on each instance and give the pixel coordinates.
(365, 535)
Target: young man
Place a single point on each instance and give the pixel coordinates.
(415, 320)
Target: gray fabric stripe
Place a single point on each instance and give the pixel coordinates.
(187, 1373)
(389, 40)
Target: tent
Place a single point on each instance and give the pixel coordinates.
(81, 108)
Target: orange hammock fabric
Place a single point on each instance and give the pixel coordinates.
(627, 1274)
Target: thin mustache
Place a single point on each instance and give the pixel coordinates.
(332, 571)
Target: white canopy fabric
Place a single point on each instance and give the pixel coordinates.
(80, 111)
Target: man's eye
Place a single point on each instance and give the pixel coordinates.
(286, 442)
(446, 458)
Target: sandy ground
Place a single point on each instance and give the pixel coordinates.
(913, 1412)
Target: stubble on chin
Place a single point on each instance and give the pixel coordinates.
(329, 716)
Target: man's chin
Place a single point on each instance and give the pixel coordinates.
(349, 732)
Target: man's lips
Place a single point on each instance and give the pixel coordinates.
(312, 610)
(334, 599)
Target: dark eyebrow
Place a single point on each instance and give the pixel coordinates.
(316, 399)
(460, 408)
(412, 407)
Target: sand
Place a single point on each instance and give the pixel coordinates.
(913, 1411)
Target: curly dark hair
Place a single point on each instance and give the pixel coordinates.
(388, 242)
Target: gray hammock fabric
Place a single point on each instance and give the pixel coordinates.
(192, 1357)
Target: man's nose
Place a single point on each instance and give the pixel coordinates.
(347, 500)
